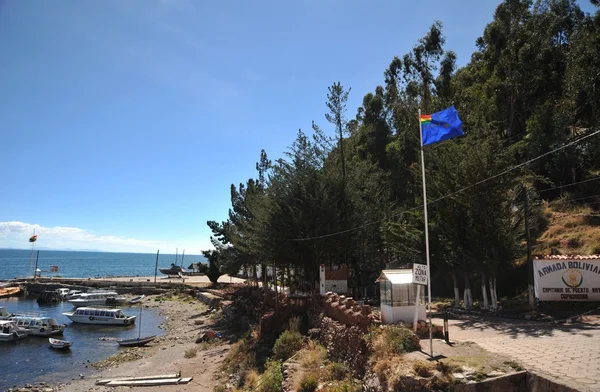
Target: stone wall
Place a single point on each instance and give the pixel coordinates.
(346, 311)
(344, 343)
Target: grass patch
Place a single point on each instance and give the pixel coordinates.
(423, 369)
(395, 340)
(338, 371)
(219, 388)
(191, 352)
(287, 345)
(514, 365)
(308, 383)
(271, 379)
(312, 356)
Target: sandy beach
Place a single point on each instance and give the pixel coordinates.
(185, 319)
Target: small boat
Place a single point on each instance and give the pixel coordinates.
(9, 291)
(72, 294)
(100, 316)
(139, 341)
(137, 299)
(37, 324)
(97, 298)
(136, 342)
(174, 270)
(9, 331)
(59, 344)
(63, 292)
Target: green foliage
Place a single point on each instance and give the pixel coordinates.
(353, 193)
(214, 257)
(308, 383)
(338, 371)
(287, 345)
(272, 378)
(400, 339)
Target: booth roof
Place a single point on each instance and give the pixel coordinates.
(399, 276)
(568, 257)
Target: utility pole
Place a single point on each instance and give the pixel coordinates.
(529, 261)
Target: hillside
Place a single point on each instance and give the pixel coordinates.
(571, 230)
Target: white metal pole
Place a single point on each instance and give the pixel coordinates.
(426, 237)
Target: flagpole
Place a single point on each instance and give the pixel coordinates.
(426, 236)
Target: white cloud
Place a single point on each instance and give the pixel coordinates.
(16, 235)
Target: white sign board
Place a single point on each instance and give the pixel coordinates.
(420, 274)
(567, 280)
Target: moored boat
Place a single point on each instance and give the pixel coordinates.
(9, 331)
(59, 344)
(100, 316)
(174, 270)
(9, 291)
(136, 342)
(137, 299)
(97, 298)
(38, 324)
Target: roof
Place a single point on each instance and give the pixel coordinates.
(2, 322)
(568, 257)
(399, 276)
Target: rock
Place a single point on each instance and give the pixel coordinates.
(458, 376)
(199, 322)
(527, 317)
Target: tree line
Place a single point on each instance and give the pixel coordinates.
(355, 196)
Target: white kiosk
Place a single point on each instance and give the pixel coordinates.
(399, 296)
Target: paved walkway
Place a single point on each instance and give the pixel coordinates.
(567, 353)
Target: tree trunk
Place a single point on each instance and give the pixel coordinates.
(484, 291)
(468, 299)
(276, 293)
(493, 294)
(254, 276)
(456, 289)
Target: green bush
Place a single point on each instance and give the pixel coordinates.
(401, 339)
(287, 344)
(308, 383)
(271, 379)
(338, 371)
(219, 388)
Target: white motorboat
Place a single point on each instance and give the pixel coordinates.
(38, 324)
(59, 344)
(100, 316)
(9, 331)
(63, 292)
(72, 294)
(97, 298)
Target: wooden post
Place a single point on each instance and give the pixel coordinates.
(156, 267)
(529, 263)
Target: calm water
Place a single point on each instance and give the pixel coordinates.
(31, 359)
(15, 263)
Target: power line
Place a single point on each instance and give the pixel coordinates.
(456, 192)
(568, 185)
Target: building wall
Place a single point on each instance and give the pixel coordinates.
(391, 315)
(334, 286)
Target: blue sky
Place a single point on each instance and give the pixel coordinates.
(124, 122)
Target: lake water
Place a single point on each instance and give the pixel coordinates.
(32, 360)
(15, 263)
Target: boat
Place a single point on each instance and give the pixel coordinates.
(137, 299)
(63, 292)
(59, 344)
(72, 294)
(37, 324)
(9, 331)
(9, 291)
(174, 270)
(97, 298)
(100, 316)
(139, 341)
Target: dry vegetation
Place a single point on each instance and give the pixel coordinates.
(571, 230)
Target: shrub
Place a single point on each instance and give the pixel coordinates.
(574, 243)
(398, 339)
(271, 379)
(338, 371)
(191, 352)
(423, 369)
(312, 356)
(308, 383)
(219, 388)
(287, 344)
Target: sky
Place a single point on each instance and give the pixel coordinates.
(123, 123)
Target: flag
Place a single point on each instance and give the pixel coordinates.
(440, 126)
